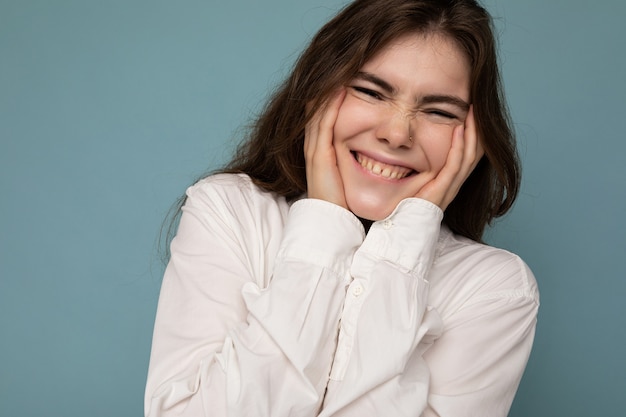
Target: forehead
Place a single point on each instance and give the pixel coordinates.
(438, 40)
(425, 49)
(421, 56)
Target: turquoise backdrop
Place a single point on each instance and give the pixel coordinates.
(110, 108)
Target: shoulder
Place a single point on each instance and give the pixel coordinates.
(229, 210)
(233, 204)
(234, 195)
(228, 187)
(466, 272)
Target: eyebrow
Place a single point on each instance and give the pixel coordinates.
(366, 76)
(429, 99)
(443, 98)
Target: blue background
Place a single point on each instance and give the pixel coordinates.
(109, 109)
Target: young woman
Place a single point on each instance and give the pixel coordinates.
(335, 267)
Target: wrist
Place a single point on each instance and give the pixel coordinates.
(320, 232)
(408, 237)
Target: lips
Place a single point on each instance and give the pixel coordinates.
(381, 169)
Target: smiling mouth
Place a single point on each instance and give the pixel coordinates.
(392, 172)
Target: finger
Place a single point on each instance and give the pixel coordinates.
(310, 135)
(441, 189)
(319, 130)
(456, 155)
(474, 149)
(323, 179)
(330, 113)
(453, 174)
(472, 153)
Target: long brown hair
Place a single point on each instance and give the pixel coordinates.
(273, 153)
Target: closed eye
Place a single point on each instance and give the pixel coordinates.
(441, 113)
(368, 92)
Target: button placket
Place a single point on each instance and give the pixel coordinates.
(348, 325)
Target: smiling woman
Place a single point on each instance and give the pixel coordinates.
(334, 267)
(394, 128)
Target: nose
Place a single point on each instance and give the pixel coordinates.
(395, 129)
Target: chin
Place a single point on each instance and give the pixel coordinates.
(370, 210)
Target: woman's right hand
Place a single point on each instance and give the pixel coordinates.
(322, 174)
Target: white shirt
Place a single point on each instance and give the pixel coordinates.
(272, 309)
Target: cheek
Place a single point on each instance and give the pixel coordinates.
(436, 145)
(354, 117)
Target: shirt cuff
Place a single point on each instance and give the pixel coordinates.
(321, 233)
(407, 237)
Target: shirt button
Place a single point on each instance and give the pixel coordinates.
(357, 290)
(387, 224)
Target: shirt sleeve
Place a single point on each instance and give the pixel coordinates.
(478, 361)
(223, 345)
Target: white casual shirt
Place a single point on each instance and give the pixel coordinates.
(276, 309)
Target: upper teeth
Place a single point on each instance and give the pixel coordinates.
(382, 169)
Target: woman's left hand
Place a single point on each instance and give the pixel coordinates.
(465, 152)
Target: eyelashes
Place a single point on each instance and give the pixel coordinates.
(368, 92)
(441, 113)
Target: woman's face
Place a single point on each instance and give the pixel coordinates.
(394, 128)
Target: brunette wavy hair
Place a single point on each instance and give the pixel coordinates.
(273, 153)
(273, 156)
